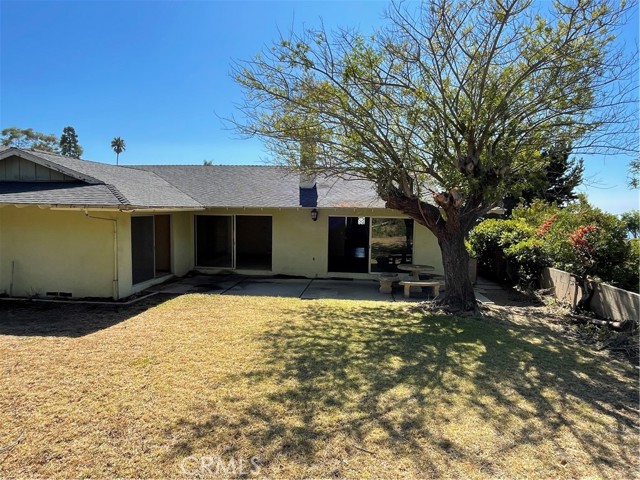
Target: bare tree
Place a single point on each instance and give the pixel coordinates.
(448, 109)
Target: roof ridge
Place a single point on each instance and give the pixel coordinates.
(174, 186)
(54, 154)
(118, 194)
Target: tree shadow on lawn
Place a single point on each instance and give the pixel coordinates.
(438, 391)
(50, 319)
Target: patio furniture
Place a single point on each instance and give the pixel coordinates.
(409, 284)
(415, 270)
(386, 282)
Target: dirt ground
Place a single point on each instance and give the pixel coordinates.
(540, 309)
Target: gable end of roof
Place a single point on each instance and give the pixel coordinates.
(33, 156)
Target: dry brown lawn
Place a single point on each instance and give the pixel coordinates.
(221, 386)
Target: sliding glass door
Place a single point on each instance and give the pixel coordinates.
(391, 243)
(150, 247)
(348, 244)
(369, 245)
(142, 249)
(253, 242)
(235, 242)
(214, 241)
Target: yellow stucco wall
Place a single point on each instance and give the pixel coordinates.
(300, 245)
(182, 242)
(46, 250)
(426, 250)
(72, 252)
(43, 250)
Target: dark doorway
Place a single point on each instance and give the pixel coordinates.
(349, 244)
(253, 242)
(142, 250)
(214, 241)
(150, 247)
(163, 244)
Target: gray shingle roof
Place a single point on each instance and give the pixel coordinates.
(263, 186)
(57, 193)
(182, 186)
(132, 188)
(135, 187)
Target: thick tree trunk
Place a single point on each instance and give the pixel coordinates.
(587, 288)
(458, 294)
(450, 232)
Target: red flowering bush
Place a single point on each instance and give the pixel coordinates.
(546, 226)
(579, 239)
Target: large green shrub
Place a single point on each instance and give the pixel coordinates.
(494, 234)
(580, 239)
(530, 257)
(628, 273)
(607, 240)
(495, 243)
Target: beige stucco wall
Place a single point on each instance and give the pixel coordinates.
(300, 245)
(43, 250)
(72, 251)
(46, 250)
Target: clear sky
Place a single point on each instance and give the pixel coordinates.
(157, 74)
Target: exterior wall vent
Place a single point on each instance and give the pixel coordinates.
(59, 294)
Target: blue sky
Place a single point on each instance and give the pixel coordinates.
(157, 74)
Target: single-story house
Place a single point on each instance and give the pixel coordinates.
(75, 228)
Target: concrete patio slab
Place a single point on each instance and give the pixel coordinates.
(346, 290)
(307, 289)
(269, 287)
(482, 284)
(482, 299)
(209, 284)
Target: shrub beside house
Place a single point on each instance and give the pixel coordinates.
(579, 239)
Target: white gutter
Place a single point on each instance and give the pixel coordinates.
(125, 209)
(109, 208)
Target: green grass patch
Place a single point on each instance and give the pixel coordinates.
(205, 385)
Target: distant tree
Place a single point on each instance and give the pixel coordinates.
(556, 182)
(207, 162)
(69, 145)
(118, 146)
(29, 139)
(632, 220)
(634, 173)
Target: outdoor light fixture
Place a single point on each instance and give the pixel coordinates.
(314, 214)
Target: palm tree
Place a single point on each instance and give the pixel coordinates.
(118, 146)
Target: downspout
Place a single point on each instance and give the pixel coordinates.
(115, 288)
